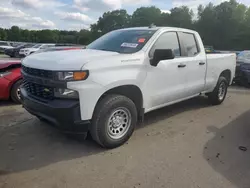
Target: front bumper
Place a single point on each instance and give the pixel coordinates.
(64, 114)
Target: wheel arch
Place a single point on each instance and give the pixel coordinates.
(12, 84)
(227, 74)
(131, 91)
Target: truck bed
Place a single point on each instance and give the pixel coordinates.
(216, 63)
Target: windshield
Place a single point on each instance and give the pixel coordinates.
(122, 41)
(37, 46)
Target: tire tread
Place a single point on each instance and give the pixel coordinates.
(104, 105)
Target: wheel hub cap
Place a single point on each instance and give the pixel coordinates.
(119, 123)
(222, 91)
(18, 93)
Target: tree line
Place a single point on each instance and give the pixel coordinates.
(225, 26)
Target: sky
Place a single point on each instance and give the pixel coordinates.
(77, 14)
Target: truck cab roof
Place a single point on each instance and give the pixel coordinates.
(160, 29)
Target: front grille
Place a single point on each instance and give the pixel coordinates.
(38, 72)
(38, 90)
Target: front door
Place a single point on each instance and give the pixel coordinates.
(165, 83)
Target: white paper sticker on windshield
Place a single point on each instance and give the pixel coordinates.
(129, 45)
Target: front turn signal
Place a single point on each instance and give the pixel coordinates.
(80, 75)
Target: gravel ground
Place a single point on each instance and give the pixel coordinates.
(187, 145)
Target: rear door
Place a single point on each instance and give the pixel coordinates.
(195, 60)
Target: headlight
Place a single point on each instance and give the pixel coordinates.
(72, 76)
(2, 74)
(66, 93)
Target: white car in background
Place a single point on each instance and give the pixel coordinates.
(27, 51)
(4, 45)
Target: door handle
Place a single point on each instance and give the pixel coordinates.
(202, 63)
(181, 65)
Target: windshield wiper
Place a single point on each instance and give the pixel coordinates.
(103, 49)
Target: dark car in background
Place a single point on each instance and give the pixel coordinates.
(14, 52)
(242, 75)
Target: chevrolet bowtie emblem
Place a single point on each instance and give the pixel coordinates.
(46, 90)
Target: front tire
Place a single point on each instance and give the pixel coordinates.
(220, 92)
(15, 92)
(114, 121)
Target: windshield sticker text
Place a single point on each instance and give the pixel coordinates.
(129, 45)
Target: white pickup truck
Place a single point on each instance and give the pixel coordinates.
(107, 88)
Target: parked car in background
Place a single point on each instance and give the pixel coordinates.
(109, 86)
(242, 74)
(10, 80)
(209, 49)
(27, 51)
(14, 52)
(5, 45)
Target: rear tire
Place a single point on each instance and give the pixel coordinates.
(220, 92)
(114, 121)
(15, 92)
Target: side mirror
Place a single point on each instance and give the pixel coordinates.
(161, 54)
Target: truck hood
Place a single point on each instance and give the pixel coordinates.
(65, 60)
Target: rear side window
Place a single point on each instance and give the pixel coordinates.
(167, 40)
(190, 44)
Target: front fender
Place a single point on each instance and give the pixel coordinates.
(90, 91)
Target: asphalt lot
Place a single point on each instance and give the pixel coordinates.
(187, 145)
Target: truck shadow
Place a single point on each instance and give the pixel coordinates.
(169, 111)
(33, 144)
(228, 152)
(8, 103)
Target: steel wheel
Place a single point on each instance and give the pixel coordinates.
(18, 93)
(118, 123)
(222, 91)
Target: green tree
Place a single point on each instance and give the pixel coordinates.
(109, 21)
(84, 37)
(145, 16)
(14, 33)
(46, 36)
(3, 34)
(181, 17)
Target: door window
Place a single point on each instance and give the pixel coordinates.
(190, 45)
(167, 40)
